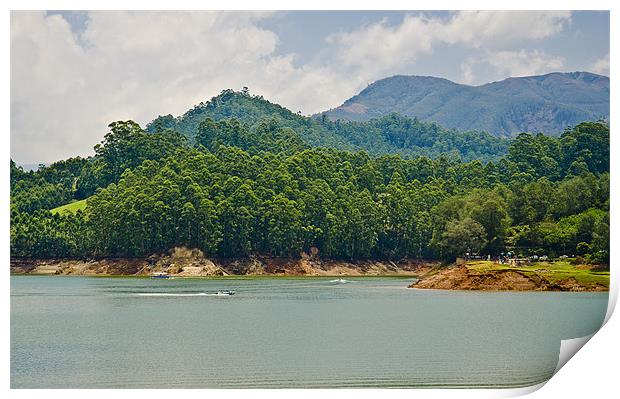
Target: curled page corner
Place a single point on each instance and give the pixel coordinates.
(515, 392)
(568, 348)
(613, 298)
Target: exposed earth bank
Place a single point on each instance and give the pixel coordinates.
(463, 277)
(182, 262)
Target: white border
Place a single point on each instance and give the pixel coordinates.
(591, 373)
(309, 5)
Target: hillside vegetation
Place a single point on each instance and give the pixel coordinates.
(548, 103)
(234, 190)
(389, 134)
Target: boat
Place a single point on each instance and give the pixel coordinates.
(339, 281)
(160, 275)
(225, 292)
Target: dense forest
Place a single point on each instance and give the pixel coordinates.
(234, 186)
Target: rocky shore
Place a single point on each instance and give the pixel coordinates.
(183, 262)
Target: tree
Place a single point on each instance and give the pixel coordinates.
(461, 236)
(490, 210)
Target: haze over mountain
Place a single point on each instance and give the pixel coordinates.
(546, 103)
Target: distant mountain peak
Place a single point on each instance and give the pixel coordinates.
(547, 103)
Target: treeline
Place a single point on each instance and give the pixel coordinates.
(236, 190)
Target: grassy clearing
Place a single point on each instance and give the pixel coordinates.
(551, 271)
(71, 207)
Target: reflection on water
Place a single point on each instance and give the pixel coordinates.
(370, 332)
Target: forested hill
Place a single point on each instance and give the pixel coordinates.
(236, 191)
(390, 134)
(547, 103)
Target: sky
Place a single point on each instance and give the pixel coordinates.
(74, 72)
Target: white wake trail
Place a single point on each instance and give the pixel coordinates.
(172, 294)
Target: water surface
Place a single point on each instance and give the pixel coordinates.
(81, 332)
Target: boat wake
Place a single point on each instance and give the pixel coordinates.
(339, 281)
(172, 294)
(175, 294)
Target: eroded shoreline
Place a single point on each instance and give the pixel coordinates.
(192, 264)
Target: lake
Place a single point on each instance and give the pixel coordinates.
(94, 332)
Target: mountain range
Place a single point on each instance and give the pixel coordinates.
(547, 103)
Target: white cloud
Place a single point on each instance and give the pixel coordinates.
(467, 72)
(381, 47)
(500, 64)
(136, 65)
(601, 66)
(497, 28)
(523, 62)
(66, 88)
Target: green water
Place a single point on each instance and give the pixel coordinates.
(70, 332)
